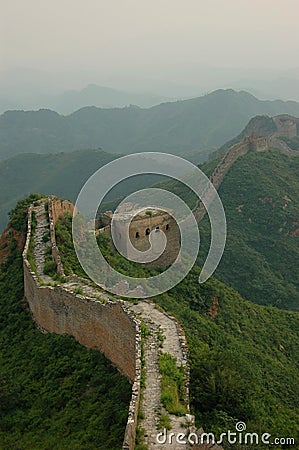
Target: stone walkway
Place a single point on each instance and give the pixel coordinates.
(40, 246)
(158, 322)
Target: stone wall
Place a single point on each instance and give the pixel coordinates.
(286, 125)
(109, 327)
(257, 144)
(106, 327)
(139, 230)
(139, 236)
(60, 207)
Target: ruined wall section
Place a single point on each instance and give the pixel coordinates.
(106, 327)
(109, 327)
(139, 236)
(286, 125)
(257, 144)
(60, 207)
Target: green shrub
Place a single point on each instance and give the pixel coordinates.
(50, 267)
(172, 385)
(46, 236)
(164, 421)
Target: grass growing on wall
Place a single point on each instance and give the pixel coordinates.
(172, 385)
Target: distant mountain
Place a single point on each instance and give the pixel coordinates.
(176, 127)
(104, 97)
(283, 88)
(72, 100)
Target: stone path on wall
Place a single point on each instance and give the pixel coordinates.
(79, 285)
(158, 322)
(171, 344)
(73, 284)
(218, 175)
(40, 246)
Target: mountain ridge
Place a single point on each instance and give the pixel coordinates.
(175, 127)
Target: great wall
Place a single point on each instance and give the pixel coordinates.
(110, 324)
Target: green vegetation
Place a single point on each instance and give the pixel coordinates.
(120, 263)
(161, 338)
(164, 421)
(140, 431)
(18, 215)
(139, 440)
(172, 385)
(61, 174)
(261, 200)
(46, 237)
(66, 247)
(43, 146)
(54, 393)
(243, 357)
(260, 195)
(145, 332)
(30, 256)
(50, 265)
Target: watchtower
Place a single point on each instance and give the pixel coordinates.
(142, 224)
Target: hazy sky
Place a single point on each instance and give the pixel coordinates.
(162, 38)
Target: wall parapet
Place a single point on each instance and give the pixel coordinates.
(109, 327)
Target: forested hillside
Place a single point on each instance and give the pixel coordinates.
(260, 197)
(176, 127)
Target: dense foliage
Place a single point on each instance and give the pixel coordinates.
(261, 200)
(244, 357)
(260, 195)
(54, 393)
